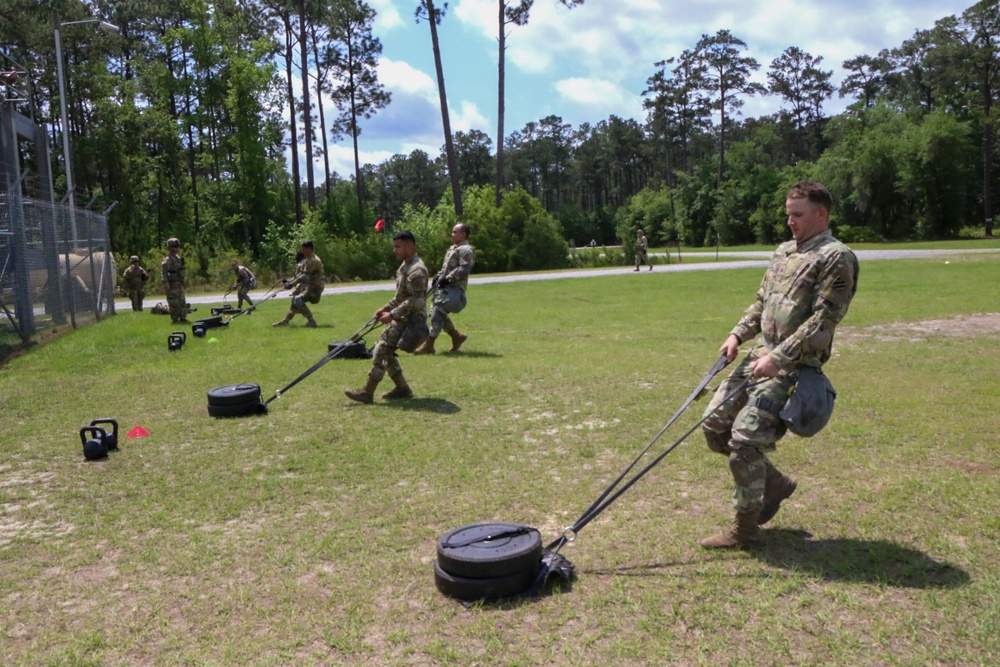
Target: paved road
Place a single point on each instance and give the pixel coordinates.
(756, 259)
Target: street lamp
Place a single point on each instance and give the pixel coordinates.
(106, 27)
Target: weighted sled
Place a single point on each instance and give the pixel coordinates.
(234, 394)
(493, 549)
(468, 588)
(239, 410)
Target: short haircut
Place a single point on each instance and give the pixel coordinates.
(464, 228)
(815, 192)
(307, 244)
(404, 236)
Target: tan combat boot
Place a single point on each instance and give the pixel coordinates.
(777, 487)
(365, 395)
(427, 347)
(743, 533)
(457, 338)
(402, 389)
(284, 322)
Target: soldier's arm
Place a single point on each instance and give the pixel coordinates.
(835, 288)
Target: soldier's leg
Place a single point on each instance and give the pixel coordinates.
(175, 301)
(718, 425)
(141, 295)
(381, 356)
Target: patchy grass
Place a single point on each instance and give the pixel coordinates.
(306, 536)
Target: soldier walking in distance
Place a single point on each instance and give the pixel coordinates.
(805, 293)
(245, 281)
(409, 302)
(308, 283)
(641, 250)
(451, 282)
(135, 278)
(174, 280)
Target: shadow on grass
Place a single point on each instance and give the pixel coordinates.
(438, 405)
(472, 355)
(852, 560)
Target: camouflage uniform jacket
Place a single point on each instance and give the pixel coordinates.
(641, 244)
(411, 291)
(457, 266)
(174, 274)
(244, 277)
(310, 273)
(134, 276)
(805, 293)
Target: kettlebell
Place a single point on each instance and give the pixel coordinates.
(110, 439)
(95, 448)
(198, 329)
(176, 340)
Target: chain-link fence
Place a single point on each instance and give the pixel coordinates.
(56, 267)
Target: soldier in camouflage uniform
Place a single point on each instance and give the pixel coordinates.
(174, 280)
(308, 282)
(641, 250)
(245, 281)
(410, 302)
(805, 293)
(451, 281)
(135, 278)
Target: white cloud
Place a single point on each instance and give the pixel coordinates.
(600, 96)
(403, 77)
(387, 15)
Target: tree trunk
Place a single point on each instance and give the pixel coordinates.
(988, 160)
(502, 39)
(322, 116)
(359, 186)
(449, 148)
(192, 163)
(306, 106)
(291, 120)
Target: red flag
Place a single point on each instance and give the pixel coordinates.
(380, 225)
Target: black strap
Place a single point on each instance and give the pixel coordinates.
(599, 506)
(718, 366)
(371, 325)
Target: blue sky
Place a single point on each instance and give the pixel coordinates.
(593, 61)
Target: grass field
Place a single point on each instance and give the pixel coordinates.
(306, 536)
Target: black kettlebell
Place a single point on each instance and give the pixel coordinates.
(198, 329)
(95, 448)
(176, 340)
(110, 439)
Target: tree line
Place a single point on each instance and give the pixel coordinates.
(182, 118)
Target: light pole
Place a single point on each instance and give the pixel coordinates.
(107, 27)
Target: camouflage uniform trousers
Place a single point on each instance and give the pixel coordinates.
(136, 296)
(175, 300)
(299, 301)
(641, 257)
(746, 428)
(447, 300)
(384, 358)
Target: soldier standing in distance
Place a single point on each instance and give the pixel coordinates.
(135, 278)
(308, 283)
(805, 293)
(410, 301)
(451, 281)
(174, 280)
(641, 250)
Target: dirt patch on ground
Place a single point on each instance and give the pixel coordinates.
(961, 326)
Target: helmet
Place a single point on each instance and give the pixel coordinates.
(133, 259)
(173, 243)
